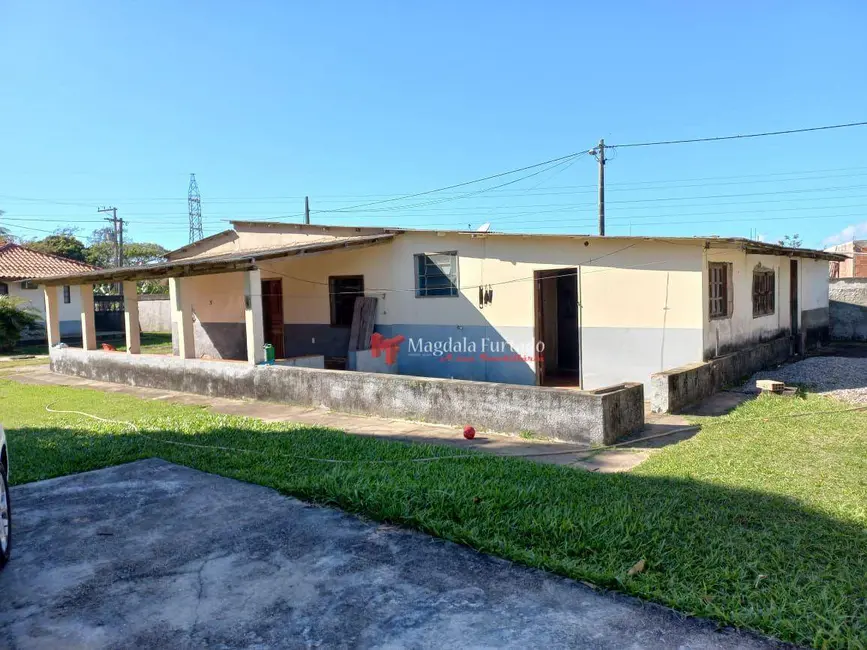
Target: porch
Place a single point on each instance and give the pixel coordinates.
(221, 306)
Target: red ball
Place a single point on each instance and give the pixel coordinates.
(469, 433)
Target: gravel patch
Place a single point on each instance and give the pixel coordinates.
(840, 377)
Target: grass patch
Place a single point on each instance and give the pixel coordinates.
(759, 521)
(6, 365)
(151, 343)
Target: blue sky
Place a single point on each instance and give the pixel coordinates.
(117, 102)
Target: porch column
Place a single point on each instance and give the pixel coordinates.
(182, 320)
(253, 317)
(88, 327)
(52, 315)
(130, 317)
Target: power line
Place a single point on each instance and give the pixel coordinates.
(633, 186)
(739, 137)
(464, 184)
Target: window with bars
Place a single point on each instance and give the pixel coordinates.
(719, 280)
(763, 291)
(436, 275)
(67, 294)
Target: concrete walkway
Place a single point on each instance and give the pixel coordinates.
(559, 453)
(154, 555)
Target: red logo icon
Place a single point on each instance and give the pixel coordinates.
(379, 343)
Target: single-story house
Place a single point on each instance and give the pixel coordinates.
(557, 310)
(855, 263)
(20, 271)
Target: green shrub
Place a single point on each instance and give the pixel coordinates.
(15, 317)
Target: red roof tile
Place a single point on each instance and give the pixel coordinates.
(20, 263)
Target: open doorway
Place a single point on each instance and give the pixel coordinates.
(794, 309)
(557, 327)
(272, 315)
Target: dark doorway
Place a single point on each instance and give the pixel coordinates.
(793, 303)
(272, 315)
(344, 289)
(557, 327)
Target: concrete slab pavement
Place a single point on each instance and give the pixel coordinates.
(154, 555)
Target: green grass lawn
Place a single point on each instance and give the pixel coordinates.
(759, 521)
(151, 343)
(15, 363)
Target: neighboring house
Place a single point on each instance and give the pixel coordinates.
(20, 269)
(561, 310)
(855, 264)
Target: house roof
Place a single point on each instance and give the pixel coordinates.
(212, 264)
(748, 245)
(224, 235)
(21, 263)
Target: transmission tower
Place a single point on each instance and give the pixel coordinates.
(194, 200)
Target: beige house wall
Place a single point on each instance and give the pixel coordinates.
(643, 304)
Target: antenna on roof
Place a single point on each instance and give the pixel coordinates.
(485, 227)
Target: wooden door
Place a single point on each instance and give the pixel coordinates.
(272, 315)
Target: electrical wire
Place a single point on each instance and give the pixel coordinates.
(738, 137)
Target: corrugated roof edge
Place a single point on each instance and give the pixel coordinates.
(209, 239)
(707, 240)
(221, 263)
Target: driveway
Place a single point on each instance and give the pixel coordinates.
(154, 555)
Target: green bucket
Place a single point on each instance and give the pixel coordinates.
(269, 354)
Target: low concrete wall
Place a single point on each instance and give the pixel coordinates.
(364, 361)
(309, 361)
(154, 313)
(672, 390)
(595, 417)
(848, 309)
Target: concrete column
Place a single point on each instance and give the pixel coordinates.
(182, 320)
(130, 318)
(253, 317)
(52, 315)
(88, 327)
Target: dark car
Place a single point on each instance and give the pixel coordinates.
(5, 505)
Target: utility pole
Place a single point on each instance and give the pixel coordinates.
(118, 238)
(599, 154)
(306, 209)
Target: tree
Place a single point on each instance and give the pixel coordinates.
(101, 253)
(15, 317)
(63, 244)
(134, 253)
(791, 242)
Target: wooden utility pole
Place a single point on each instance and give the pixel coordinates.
(306, 209)
(113, 220)
(118, 238)
(599, 152)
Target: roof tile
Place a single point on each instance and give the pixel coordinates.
(20, 263)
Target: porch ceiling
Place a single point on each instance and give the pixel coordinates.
(223, 263)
